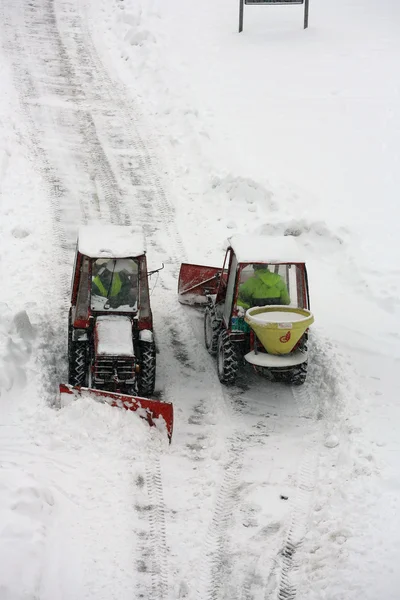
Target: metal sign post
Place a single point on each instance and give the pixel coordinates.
(241, 7)
(271, 2)
(306, 14)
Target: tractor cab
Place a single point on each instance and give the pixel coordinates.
(283, 267)
(110, 276)
(264, 273)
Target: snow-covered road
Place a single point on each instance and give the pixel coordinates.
(264, 490)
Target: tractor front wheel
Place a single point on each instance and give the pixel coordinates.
(147, 375)
(227, 359)
(298, 375)
(295, 376)
(212, 328)
(78, 363)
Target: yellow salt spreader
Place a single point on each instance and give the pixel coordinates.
(282, 333)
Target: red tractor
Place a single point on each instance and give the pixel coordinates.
(111, 347)
(256, 307)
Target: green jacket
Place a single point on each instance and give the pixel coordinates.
(100, 285)
(262, 288)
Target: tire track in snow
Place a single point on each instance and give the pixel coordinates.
(286, 563)
(165, 215)
(158, 556)
(215, 567)
(47, 72)
(100, 167)
(214, 556)
(153, 547)
(213, 559)
(96, 162)
(19, 28)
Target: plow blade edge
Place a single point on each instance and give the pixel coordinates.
(150, 410)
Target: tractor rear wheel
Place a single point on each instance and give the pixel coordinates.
(212, 328)
(147, 375)
(227, 359)
(78, 363)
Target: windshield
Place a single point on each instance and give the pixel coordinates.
(264, 284)
(115, 284)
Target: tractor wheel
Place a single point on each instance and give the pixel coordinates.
(212, 328)
(298, 375)
(227, 359)
(147, 375)
(78, 362)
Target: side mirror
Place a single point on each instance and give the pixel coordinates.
(149, 273)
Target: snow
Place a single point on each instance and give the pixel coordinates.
(114, 336)
(159, 115)
(111, 241)
(278, 316)
(146, 335)
(261, 249)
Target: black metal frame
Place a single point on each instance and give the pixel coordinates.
(272, 2)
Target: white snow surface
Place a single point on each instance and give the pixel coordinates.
(111, 241)
(271, 249)
(159, 115)
(278, 316)
(114, 336)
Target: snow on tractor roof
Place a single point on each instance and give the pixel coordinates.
(268, 249)
(111, 241)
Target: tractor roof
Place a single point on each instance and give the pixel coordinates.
(111, 241)
(268, 249)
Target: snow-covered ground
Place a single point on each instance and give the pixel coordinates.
(161, 115)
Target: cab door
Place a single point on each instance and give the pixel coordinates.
(230, 289)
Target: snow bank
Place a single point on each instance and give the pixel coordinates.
(16, 338)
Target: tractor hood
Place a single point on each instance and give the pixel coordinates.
(113, 336)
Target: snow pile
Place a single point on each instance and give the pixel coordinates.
(16, 338)
(25, 517)
(66, 477)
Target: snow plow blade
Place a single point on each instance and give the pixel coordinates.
(196, 282)
(150, 410)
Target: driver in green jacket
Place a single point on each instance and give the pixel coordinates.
(263, 288)
(116, 281)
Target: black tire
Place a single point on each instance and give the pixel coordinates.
(147, 374)
(212, 328)
(227, 359)
(78, 363)
(298, 375)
